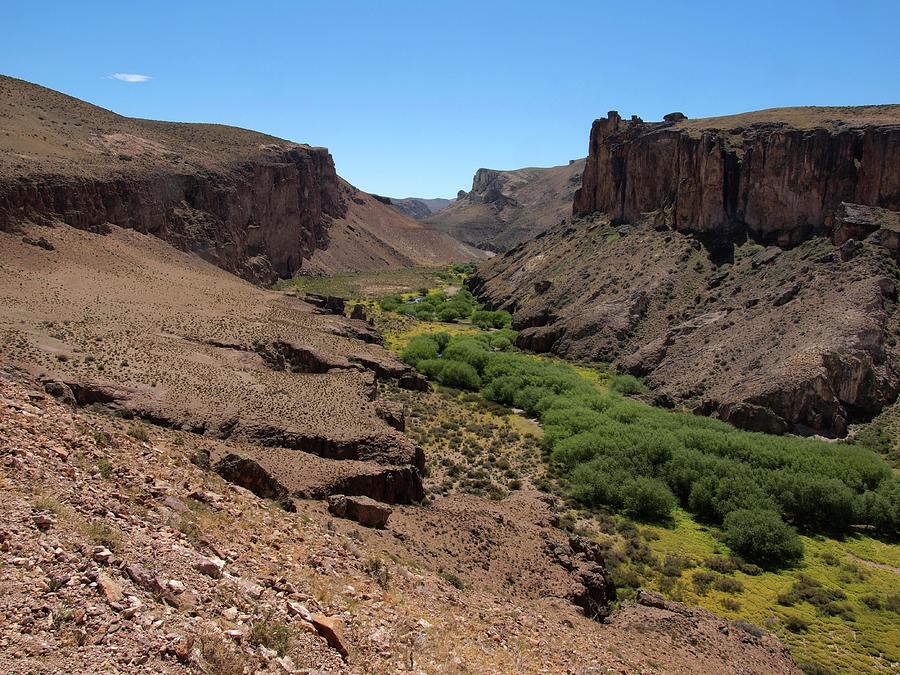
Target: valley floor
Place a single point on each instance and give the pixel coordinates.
(121, 551)
(481, 448)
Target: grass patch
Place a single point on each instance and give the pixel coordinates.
(138, 432)
(272, 634)
(102, 533)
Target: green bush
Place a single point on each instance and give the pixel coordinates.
(647, 499)
(627, 384)
(448, 314)
(501, 344)
(602, 442)
(431, 367)
(486, 319)
(420, 348)
(390, 303)
(459, 375)
(762, 537)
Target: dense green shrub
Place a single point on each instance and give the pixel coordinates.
(486, 319)
(390, 303)
(627, 384)
(420, 348)
(762, 537)
(430, 367)
(460, 375)
(603, 443)
(647, 499)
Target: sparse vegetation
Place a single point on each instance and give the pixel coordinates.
(453, 580)
(219, 657)
(272, 634)
(101, 532)
(139, 432)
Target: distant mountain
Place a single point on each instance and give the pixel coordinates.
(507, 208)
(419, 208)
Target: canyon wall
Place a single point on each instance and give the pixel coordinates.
(667, 274)
(258, 218)
(780, 175)
(255, 205)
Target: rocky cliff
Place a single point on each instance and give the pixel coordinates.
(778, 174)
(672, 280)
(505, 208)
(258, 219)
(252, 204)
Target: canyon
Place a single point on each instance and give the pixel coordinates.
(179, 433)
(717, 259)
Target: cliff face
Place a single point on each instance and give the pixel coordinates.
(780, 174)
(259, 218)
(662, 281)
(255, 205)
(506, 208)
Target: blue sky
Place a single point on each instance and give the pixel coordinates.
(412, 97)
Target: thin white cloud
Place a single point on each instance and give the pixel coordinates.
(129, 77)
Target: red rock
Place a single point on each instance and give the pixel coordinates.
(109, 589)
(211, 567)
(777, 179)
(332, 629)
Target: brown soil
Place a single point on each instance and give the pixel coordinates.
(109, 581)
(190, 346)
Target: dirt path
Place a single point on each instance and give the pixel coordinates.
(876, 565)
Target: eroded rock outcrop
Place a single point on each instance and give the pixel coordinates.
(779, 174)
(364, 510)
(774, 340)
(258, 218)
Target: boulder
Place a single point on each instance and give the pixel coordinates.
(249, 474)
(40, 242)
(328, 304)
(359, 313)
(212, 567)
(332, 629)
(61, 391)
(364, 510)
(392, 412)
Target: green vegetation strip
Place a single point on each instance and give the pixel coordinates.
(618, 453)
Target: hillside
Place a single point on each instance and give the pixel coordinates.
(505, 208)
(250, 203)
(372, 236)
(166, 513)
(667, 273)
